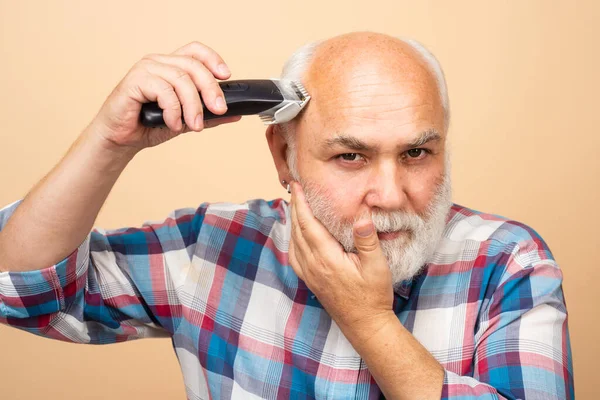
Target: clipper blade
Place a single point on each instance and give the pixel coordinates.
(295, 99)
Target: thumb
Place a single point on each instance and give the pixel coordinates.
(366, 241)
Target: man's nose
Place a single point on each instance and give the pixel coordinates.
(386, 188)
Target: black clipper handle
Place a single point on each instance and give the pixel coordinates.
(243, 97)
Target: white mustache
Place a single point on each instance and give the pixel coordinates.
(397, 221)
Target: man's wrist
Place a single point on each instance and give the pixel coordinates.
(119, 156)
(367, 329)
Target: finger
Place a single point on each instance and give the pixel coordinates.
(154, 88)
(293, 260)
(367, 242)
(212, 123)
(311, 229)
(297, 236)
(210, 58)
(205, 82)
(312, 258)
(185, 88)
(302, 250)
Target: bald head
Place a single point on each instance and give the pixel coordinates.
(339, 71)
(355, 75)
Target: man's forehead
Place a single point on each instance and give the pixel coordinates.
(368, 90)
(372, 88)
(380, 120)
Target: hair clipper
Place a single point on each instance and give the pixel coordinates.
(274, 100)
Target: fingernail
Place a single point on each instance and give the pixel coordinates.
(223, 69)
(220, 103)
(365, 230)
(199, 122)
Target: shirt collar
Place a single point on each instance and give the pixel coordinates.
(403, 288)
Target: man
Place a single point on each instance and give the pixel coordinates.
(369, 282)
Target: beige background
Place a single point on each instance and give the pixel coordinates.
(523, 81)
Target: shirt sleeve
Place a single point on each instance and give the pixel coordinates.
(522, 345)
(118, 285)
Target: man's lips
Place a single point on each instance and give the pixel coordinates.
(389, 235)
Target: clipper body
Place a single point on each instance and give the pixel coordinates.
(275, 101)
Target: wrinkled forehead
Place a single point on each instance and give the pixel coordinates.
(373, 105)
(371, 93)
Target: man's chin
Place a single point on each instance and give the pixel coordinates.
(402, 264)
(402, 259)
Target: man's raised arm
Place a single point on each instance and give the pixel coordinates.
(58, 213)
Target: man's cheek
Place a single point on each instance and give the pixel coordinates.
(423, 192)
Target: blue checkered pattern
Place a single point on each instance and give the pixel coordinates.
(216, 280)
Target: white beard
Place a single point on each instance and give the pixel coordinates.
(408, 253)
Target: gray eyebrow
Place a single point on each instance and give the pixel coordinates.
(349, 142)
(353, 143)
(425, 137)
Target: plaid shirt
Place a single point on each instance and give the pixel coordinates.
(216, 280)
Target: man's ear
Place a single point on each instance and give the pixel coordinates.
(278, 147)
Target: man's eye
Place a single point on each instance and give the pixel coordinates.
(416, 153)
(350, 156)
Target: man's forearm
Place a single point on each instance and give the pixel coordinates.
(402, 367)
(58, 213)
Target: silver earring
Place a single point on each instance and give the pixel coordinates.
(288, 186)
